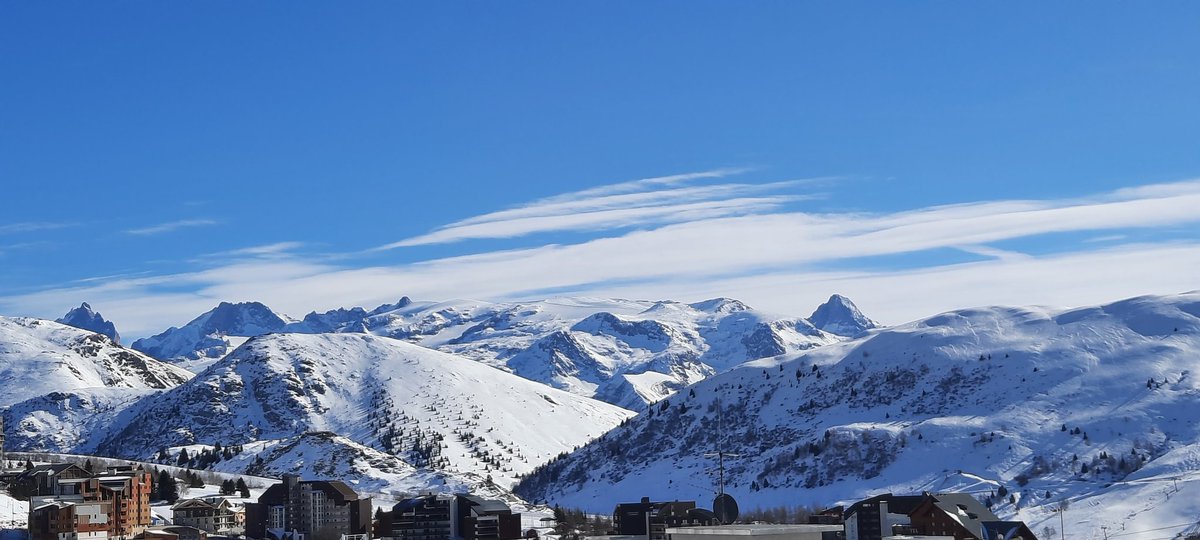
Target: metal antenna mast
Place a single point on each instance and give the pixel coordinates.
(721, 454)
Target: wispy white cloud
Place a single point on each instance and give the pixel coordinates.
(995, 253)
(779, 261)
(265, 251)
(627, 204)
(31, 226)
(171, 226)
(1107, 238)
(643, 184)
(605, 219)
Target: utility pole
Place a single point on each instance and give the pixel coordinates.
(1105, 529)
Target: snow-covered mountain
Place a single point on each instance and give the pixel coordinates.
(213, 334)
(1097, 406)
(85, 318)
(66, 422)
(625, 352)
(58, 382)
(431, 409)
(38, 357)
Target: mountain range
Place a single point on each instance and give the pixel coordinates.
(1024, 407)
(628, 353)
(1031, 409)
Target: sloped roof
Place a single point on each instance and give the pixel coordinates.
(415, 502)
(481, 505)
(336, 488)
(49, 469)
(276, 494)
(1000, 530)
(897, 504)
(190, 503)
(965, 509)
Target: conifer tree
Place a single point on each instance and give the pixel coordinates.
(166, 489)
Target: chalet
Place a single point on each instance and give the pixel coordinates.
(212, 514)
(962, 516)
(43, 479)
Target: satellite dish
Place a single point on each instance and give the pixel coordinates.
(725, 508)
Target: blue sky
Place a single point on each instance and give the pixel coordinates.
(159, 157)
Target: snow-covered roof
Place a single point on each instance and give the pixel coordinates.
(751, 530)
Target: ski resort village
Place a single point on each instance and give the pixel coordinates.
(606, 419)
(599, 270)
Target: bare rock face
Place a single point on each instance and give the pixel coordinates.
(85, 318)
(840, 316)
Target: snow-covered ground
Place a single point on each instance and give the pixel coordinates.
(14, 514)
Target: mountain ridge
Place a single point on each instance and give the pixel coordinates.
(629, 353)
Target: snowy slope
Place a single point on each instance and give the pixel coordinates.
(967, 400)
(38, 357)
(58, 383)
(65, 421)
(85, 318)
(625, 352)
(323, 455)
(431, 409)
(14, 514)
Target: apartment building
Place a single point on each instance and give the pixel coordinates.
(309, 510)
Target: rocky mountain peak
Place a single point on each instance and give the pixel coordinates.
(242, 319)
(83, 317)
(840, 316)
